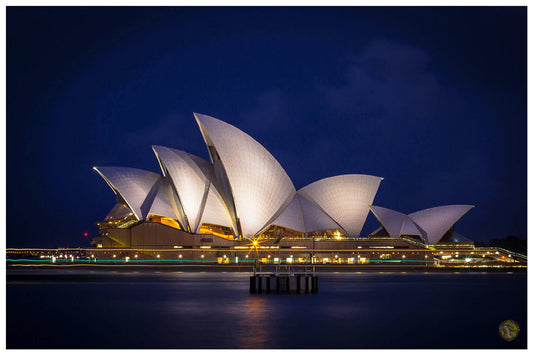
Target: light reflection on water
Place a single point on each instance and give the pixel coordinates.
(255, 323)
(100, 309)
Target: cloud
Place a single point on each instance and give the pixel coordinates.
(385, 81)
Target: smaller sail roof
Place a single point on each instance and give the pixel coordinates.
(392, 221)
(430, 224)
(215, 211)
(344, 198)
(165, 201)
(436, 221)
(191, 176)
(291, 217)
(119, 211)
(411, 228)
(133, 185)
(315, 219)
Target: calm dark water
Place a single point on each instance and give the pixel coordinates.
(88, 309)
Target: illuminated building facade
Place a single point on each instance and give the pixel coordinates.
(243, 200)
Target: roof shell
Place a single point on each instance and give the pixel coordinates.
(411, 228)
(292, 216)
(191, 177)
(315, 219)
(215, 211)
(259, 185)
(392, 221)
(396, 223)
(134, 185)
(437, 221)
(165, 201)
(344, 198)
(119, 211)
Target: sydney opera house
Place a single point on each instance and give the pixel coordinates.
(242, 205)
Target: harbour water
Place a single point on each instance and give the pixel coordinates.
(150, 309)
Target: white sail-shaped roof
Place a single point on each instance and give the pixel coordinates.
(165, 202)
(191, 177)
(134, 185)
(259, 185)
(391, 220)
(410, 228)
(316, 219)
(215, 211)
(291, 217)
(119, 211)
(437, 221)
(345, 198)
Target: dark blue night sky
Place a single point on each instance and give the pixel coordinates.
(432, 99)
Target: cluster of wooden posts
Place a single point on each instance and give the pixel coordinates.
(283, 283)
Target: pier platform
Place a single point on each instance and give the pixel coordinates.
(283, 283)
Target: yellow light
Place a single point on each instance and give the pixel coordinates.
(158, 255)
(255, 242)
(403, 256)
(114, 256)
(136, 255)
(246, 256)
(224, 256)
(180, 256)
(202, 256)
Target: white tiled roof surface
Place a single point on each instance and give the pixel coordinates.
(215, 211)
(291, 217)
(165, 201)
(437, 221)
(345, 198)
(191, 177)
(391, 220)
(259, 184)
(132, 184)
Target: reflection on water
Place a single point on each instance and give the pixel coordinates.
(254, 324)
(99, 309)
